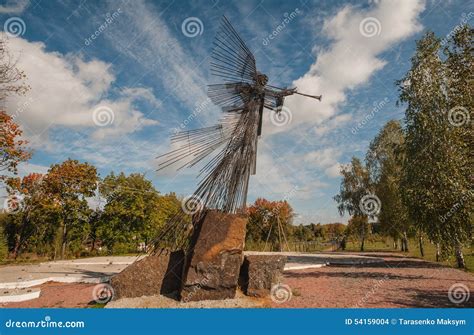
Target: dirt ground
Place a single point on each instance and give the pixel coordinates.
(58, 295)
(400, 282)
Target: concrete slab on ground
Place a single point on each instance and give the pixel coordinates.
(323, 258)
(18, 295)
(86, 270)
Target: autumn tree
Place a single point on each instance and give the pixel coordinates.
(436, 182)
(68, 185)
(269, 222)
(12, 79)
(12, 147)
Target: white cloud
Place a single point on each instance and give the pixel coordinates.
(271, 177)
(333, 171)
(278, 178)
(347, 63)
(322, 158)
(14, 6)
(65, 91)
(325, 159)
(331, 124)
(350, 59)
(143, 36)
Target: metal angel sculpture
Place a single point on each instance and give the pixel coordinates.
(243, 95)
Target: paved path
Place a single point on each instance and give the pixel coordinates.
(398, 282)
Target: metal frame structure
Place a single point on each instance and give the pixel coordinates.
(243, 94)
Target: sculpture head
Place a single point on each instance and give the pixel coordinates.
(261, 79)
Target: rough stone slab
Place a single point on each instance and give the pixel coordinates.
(214, 257)
(155, 274)
(260, 272)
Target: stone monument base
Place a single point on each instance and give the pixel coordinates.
(152, 275)
(214, 257)
(260, 272)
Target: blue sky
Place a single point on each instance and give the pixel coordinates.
(110, 80)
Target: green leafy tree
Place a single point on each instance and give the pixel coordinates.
(436, 182)
(27, 219)
(302, 233)
(3, 242)
(358, 226)
(134, 211)
(385, 165)
(355, 188)
(334, 230)
(68, 185)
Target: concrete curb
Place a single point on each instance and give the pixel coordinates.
(63, 279)
(303, 267)
(20, 296)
